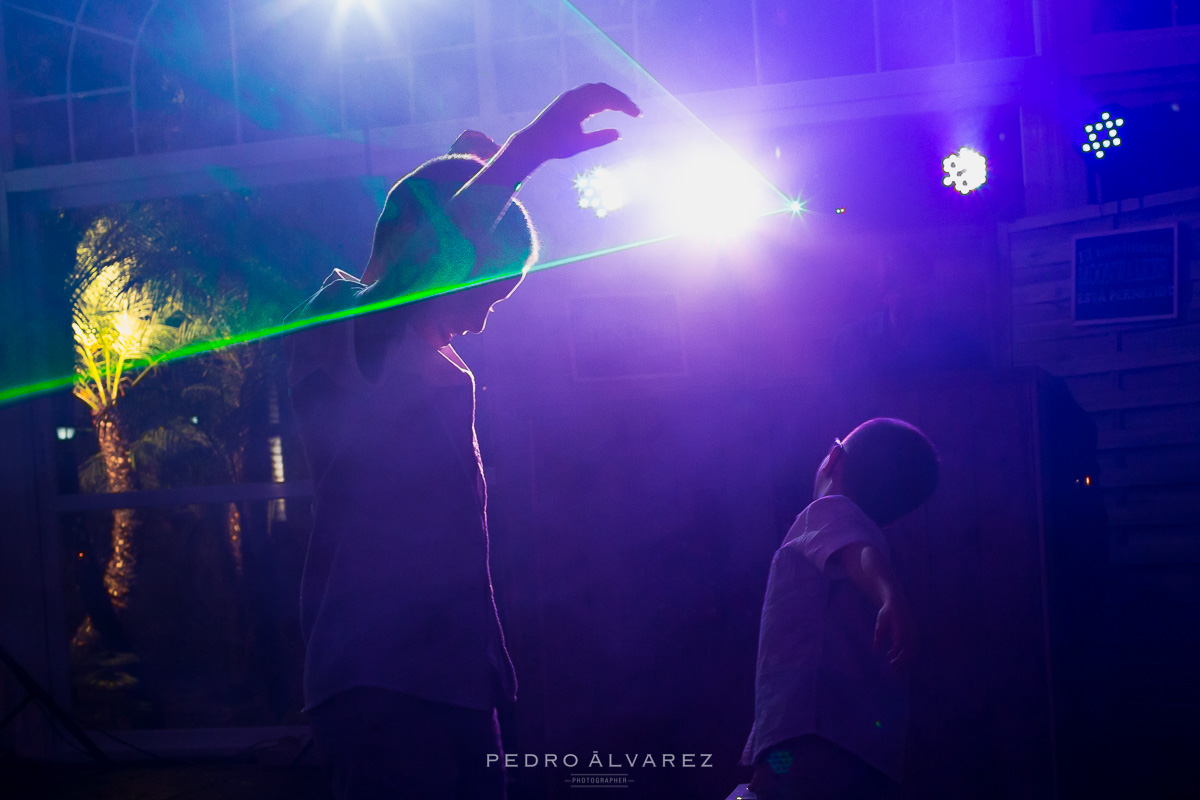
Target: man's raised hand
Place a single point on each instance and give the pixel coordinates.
(558, 131)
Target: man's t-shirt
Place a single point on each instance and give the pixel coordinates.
(817, 669)
(396, 592)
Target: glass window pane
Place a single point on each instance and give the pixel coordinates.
(987, 29)
(99, 62)
(40, 134)
(1130, 15)
(528, 74)
(445, 85)
(122, 17)
(103, 126)
(1187, 12)
(449, 23)
(697, 46)
(184, 83)
(820, 39)
(377, 93)
(287, 71)
(207, 634)
(36, 50)
(915, 34)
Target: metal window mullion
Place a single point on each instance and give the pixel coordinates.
(137, 41)
(70, 63)
(33, 101)
(954, 22)
(409, 53)
(563, 77)
(67, 22)
(878, 37)
(755, 42)
(233, 66)
(485, 59)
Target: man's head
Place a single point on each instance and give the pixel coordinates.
(416, 248)
(439, 319)
(886, 466)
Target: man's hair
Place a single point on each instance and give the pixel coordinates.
(508, 250)
(889, 469)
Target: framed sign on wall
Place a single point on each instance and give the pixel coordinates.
(1127, 276)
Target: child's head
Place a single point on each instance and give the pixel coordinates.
(886, 466)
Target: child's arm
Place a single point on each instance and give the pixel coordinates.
(868, 569)
(557, 132)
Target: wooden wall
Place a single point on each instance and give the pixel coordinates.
(1140, 383)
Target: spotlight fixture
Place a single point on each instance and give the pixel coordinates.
(600, 190)
(965, 171)
(1103, 135)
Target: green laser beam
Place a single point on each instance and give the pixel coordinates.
(646, 73)
(16, 393)
(29, 390)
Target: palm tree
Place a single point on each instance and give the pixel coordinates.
(121, 333)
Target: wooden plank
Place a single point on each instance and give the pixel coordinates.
(1092, 365)
(1060, 293)
(1056, 350)
(1158, 467)
(1148, 437)
(188, 495)
(1180, 337)
(1155, 546)
(1056, 311)
(1121, 399)
(1151, 377)
(1047, 292)
(1040, 273)
(1053, 321)
(1161, 507)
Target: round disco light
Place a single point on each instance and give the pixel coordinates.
(965, 171)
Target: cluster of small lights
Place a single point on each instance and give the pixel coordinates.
(965, 170)
(840, 210)
(1103, 135)
(600, 190)
(780, 761)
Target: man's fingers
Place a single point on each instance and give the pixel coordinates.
(600, 138)
(596, 97)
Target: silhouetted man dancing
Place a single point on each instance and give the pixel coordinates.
(405, 659)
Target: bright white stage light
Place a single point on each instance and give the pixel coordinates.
(1103, 134)
(601, 190)
(965, 170)
(710, 191)
(707, 191)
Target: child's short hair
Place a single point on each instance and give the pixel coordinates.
(890, 468)
(510, 248)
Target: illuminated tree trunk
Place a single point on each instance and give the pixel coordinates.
(233, 525)
(119, 572)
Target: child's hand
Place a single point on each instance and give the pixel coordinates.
(558, 130)
(894, 627)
